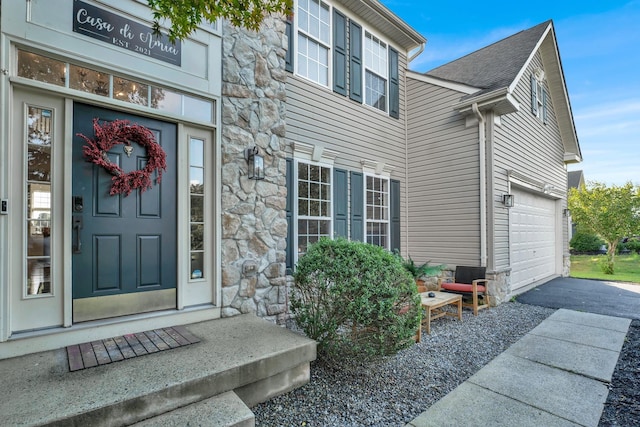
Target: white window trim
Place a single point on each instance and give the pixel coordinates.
(366, 30)
(301, 158)
(329, 47)
(539, 99)
(366, 221)
(540, 89)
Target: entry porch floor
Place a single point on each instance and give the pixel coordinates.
(241, 360)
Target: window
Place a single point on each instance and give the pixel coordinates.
(377, 211)
(376, 68)
(196, 202)
(538, 96)
(314, 204)
(314, 40)
(52, 71)
(330, 48)
(38, 149)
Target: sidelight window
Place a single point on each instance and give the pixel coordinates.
(38, 145)
(197, 193)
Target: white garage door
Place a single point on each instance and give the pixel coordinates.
(532, 239)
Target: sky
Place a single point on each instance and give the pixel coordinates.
(599, 44)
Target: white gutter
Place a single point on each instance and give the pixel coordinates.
(483, 184)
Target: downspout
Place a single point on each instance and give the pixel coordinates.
(406, 147)
(415, 55)
(483, 184)
(406, 169)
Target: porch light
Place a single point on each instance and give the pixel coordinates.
(507, 200)
(566, 213)
(256, 163)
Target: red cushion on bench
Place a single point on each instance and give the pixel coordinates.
(461, 287)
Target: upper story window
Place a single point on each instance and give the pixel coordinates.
(376, 69)
(314, 40)
(332, 49)
(539, 104)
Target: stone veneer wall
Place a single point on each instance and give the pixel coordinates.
(254, 225)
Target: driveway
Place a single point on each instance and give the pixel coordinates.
(593, 296)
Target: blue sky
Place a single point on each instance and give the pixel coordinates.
(599, 43)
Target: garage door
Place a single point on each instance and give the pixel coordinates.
(533, 239)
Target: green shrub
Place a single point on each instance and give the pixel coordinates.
(633, 244)
(355, 299)
(607, 265)
(582, 242)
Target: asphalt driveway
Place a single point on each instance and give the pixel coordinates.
(593, 296)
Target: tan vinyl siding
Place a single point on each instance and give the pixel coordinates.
(533, 149)
(357, 132)
(444, 178)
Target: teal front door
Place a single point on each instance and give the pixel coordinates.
(124, 247)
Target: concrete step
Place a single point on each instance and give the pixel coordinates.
(250, 356)
(224, 410)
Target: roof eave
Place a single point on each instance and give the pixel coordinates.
(501, 101)
(402, 33)
(572, 158)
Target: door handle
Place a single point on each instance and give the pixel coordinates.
(77, 226)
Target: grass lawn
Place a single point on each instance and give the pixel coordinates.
(627, 267)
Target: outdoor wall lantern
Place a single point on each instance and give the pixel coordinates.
(566, 213)
(256, 163)
(507, 200)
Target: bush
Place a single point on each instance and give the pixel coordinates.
(355, 299)
(632, 244)
(607, 265)
(585, 243)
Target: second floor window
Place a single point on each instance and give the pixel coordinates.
(376, 68)
(314, 40)
(539, 99)
(334, 50)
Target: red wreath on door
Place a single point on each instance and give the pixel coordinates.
(110, 134)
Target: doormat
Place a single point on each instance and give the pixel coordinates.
(103, 352)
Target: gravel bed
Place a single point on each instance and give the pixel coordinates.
(623, 402)
(396, 390)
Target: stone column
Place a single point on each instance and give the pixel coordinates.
(254, 225)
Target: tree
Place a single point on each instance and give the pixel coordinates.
(185, 15)
(611, 212)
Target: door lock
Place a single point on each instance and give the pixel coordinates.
(78, 205)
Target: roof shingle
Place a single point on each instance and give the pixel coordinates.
(495, 66)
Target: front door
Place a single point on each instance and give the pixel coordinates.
(124, 247)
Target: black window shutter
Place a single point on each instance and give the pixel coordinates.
(340, 203)
(394, 84)
(288, 59)
(534, 96)
(394, 232)
(355, 61)
(289, 210)
(339, 53)
(357, 207)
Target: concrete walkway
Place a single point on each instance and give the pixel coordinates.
(556, 375)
